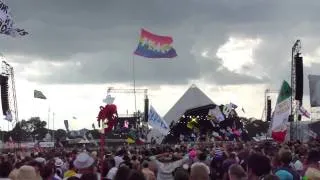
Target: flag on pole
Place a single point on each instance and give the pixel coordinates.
(281, 114)
(155, 46)
(39, 95)
(156, 122)
(7, 23)
(8, 116)
(302, 111)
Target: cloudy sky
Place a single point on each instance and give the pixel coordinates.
(233, 51)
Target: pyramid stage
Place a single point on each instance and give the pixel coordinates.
(194, 104)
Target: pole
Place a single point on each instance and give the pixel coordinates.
(49, 119)
(53, 129)
(134, 84)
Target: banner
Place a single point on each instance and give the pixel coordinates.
(216, 113)
(314, 86)
(157, 122)
(281, 113)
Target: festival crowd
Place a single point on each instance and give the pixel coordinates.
(201, 161)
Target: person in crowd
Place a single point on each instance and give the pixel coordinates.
(181, 174)
(135, 163)
(27, 172)
(122, 173)
(113, 171)
(5, 169)
(58, 169)
(47, 172)
(71, 171)
(313, 169)
(147, 172)
(285, 171)
(136, 175)
(166, 166)
(84, 164)
(236, 172)
(119, 157)
(199, 171)
(258, 166)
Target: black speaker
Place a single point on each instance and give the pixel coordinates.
(269, 109)
(299, 78)
(146, 109)
(4, 94)
(299, 117)
(290, 119)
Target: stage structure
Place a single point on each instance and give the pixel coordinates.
(134, 91)
(297, 88)
(8, 93)
(205, 126)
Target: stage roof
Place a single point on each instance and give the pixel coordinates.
(192, 98)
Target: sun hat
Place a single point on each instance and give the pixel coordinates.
(83, 160)
(58, 162)
(27, 173)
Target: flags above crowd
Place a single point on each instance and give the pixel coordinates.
(39, 95)
(281, 114)
(7, 25)
(155, 46)
(155, 121)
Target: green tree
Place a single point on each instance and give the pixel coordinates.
(34, 128)
(60, 134)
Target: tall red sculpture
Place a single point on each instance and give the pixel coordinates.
(107, 117)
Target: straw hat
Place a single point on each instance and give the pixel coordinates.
(27, 173)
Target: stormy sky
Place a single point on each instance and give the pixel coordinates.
(233, 50)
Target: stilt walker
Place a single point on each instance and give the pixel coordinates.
(107, 118)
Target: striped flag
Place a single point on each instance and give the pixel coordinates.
(39, 95)
(282, 111)
(302, 111)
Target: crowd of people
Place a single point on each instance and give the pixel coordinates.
(201, 161)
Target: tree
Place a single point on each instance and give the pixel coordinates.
(34, 128)
(60, 134)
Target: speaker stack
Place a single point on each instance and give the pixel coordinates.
(299, 80)
(4, 93)
(268, 109)
(146, 109)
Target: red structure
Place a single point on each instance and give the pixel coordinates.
(108, 117)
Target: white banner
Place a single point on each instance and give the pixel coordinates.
(281, 114)
(157, 122)
(216, 112)
(314, 85)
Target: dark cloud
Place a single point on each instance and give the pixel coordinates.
(94, 40)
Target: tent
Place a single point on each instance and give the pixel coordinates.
(192, 98)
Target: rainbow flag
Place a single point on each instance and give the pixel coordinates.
(155, 46)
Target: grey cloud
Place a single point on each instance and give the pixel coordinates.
(105, 33)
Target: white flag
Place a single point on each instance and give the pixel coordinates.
(157, 122)
(302, 111)
(216, 112)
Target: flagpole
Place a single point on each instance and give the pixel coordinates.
(53, 129)
(49, 118)
(134, 84)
